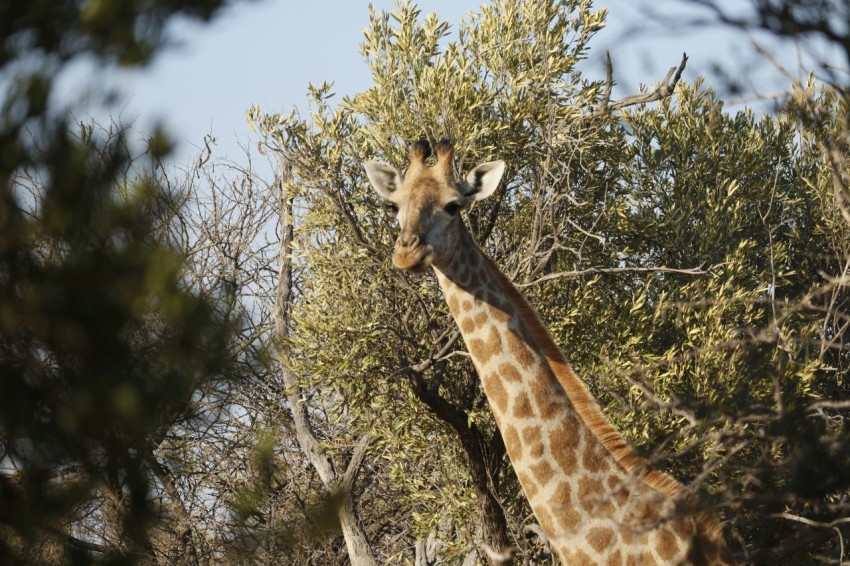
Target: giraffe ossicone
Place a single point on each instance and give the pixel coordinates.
(595, 499)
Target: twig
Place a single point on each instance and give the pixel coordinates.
(578, 272)
(609, 83)
(833, 525)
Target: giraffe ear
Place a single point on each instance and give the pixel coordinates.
(384, 178)
(482, 181)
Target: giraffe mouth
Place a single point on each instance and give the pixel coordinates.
(416, 259)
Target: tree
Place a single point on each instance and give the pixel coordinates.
(802, 339)
(104, 347)
(255, 474)
(736, 361)
(812, 24)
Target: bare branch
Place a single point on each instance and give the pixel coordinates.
(609, 84)
(356, 462)
(663, 90)
(579, 272)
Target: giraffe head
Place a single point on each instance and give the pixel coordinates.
(428, 201)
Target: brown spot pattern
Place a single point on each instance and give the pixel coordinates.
(501, 316)
(545, 519)
(581, 557)
(522, 407)
(641, 510)
(627, 534)
(520, 351)
(494, 341)
(667, 546)
(645, 559)
(512, 442)
(532, 439)
(543, 472)
(547, 400)
(563, 495)
(600, 538)
(684, 527)
(480, 350)
(509, 373)
(452, 301)
(590, 493)
(467, 326)
(595, 459)
(615, 559)
(569, 518)
(563, 443)
(496, 393)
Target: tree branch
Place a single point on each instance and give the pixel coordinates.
(81, 544)
(303, 431)
(578, 272)
(163, 473)
(357, 457)
(663, 90)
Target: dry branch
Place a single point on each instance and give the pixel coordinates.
(579, 272)
(663, 90)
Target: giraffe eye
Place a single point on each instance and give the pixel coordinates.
(452, 208)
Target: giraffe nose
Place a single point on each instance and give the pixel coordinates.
(407, 240)
(412, 252)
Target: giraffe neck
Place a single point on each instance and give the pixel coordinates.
(592, 496)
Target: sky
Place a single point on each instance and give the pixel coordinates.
(265, 52)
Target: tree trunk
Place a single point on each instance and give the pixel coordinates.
(494, 526)
(359, 551)
(340, 486)
(483, 460)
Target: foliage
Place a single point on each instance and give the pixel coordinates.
(737, 355)
(127, 32)
(103, 347)
(690, 261)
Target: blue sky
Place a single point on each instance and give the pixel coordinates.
(265, 52)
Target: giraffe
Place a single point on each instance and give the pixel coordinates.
(594, 498)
